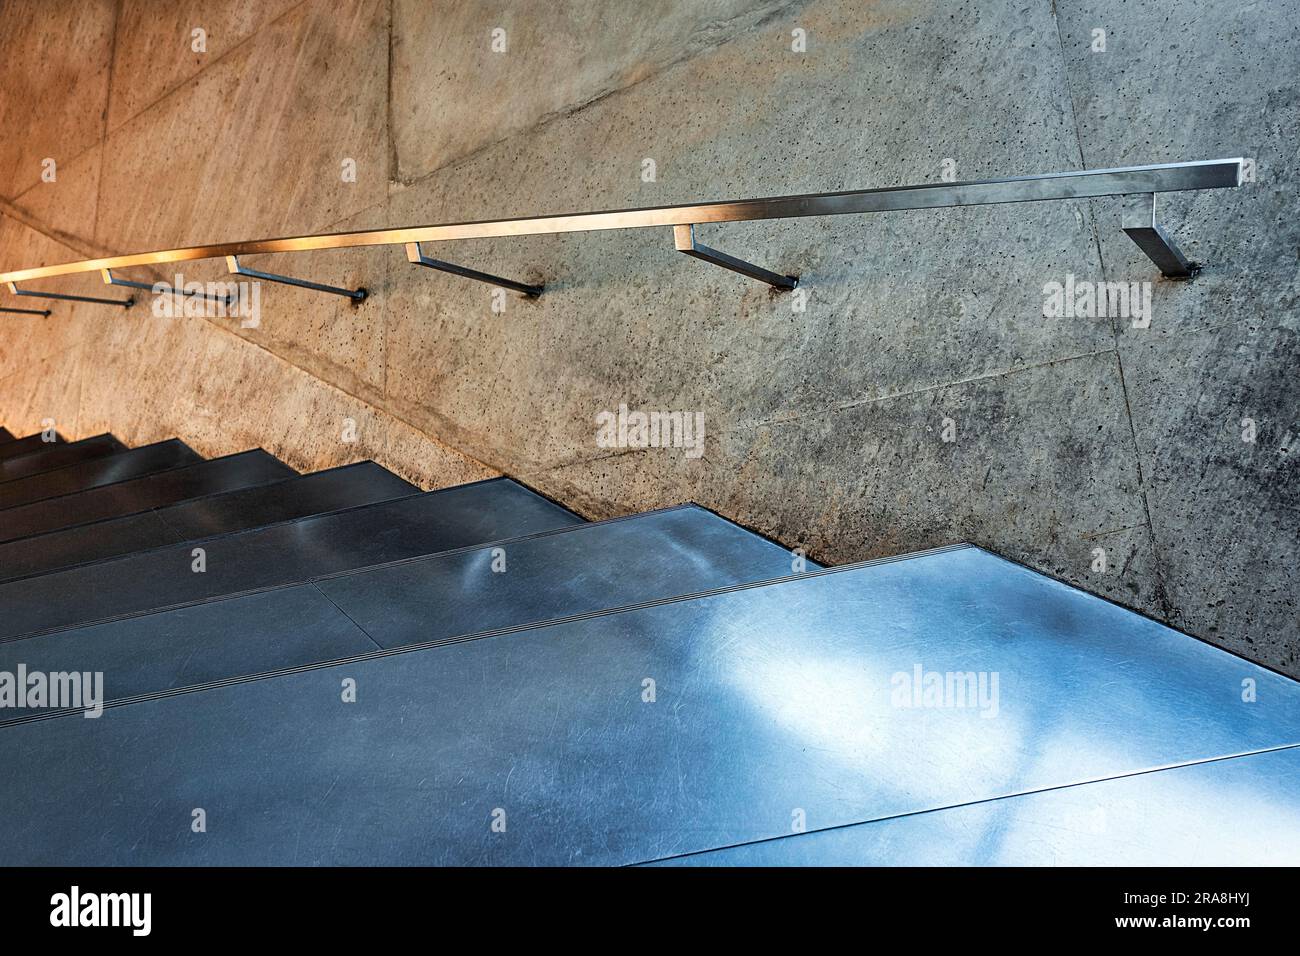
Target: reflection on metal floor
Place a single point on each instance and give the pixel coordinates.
(908, 692)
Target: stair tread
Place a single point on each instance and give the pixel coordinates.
(286, 553)
(22, 446)
(293, 497)
(573, 570)
(136, 495)
(50, 456)
(134, 462)
(576, 570)
(769, 697)
(1139, 820)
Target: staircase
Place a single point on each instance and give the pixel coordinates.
(337, 668)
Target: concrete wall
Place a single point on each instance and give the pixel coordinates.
(824, 428)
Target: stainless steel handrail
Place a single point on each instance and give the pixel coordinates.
(1139, 182)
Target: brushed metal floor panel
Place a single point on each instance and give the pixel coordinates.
(207, 642)
(770, 700)
(147, 459)
(287, 553)
(53, 455)
(592, 567)
(296, 497)
(22, 446)
(576, 570)
(1244, 811)
(135, 495)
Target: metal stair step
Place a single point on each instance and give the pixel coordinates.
(773, 703)
(145, 460)
(285, 553)
(593, 567)
(295, 497)
(551, 575)
(1181, 816)
(48, 456)
(135, 495)
(200, 644)
(15, 447)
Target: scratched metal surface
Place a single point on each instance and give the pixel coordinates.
(547, 576)
(132, 463)
(287, 553)
(296, 497)
(768, 700)
(1241, 811)
(135, 495)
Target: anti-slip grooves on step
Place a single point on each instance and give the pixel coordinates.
(53, 455)
(296, 497)
(136, 495)
(648, 733)
(132, 463)
(575, 570)
(286, 553)
(23, 446)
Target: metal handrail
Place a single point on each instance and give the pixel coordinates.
(1140, 183)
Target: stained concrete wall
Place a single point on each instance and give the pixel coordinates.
(825, 428)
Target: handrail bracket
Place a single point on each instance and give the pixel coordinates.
(417, 257)
(1139, 221)
(684, 240)
(235, 268)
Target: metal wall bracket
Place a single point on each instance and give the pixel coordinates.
(110, 279)
(232, 264)
(124, 303)
(414, 255)
(684, 240)
(1139, 221)
(44, 312)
